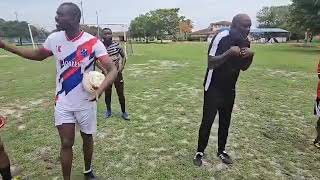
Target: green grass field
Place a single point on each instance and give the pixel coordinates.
(270, 137)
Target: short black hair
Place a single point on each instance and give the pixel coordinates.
(75, 10)
(106, 29)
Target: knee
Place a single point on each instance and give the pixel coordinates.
(87, 138)
(121, 97)
(204, 129)
(67, 143)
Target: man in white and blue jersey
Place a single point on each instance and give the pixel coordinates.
(75, 52)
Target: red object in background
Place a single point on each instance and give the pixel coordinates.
(2, 121)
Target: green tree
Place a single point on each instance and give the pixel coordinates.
(186, 27)
(158, 23)
(143, 27)
(14, 29)
(93, 30)
(273, 17)
(282, 17)
(305, 14)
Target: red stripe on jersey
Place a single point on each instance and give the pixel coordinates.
(88, 47)
(70, 72)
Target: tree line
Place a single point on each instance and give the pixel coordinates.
(20, 29)
(160, 24)
(297, 17)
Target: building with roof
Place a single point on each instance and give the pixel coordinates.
(207, 33)
(269, 35)
(257, 35)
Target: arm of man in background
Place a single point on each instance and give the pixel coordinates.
(110, 70)
(216, 61)
(33, 54)
(124, 59)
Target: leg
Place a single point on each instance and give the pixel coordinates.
(107, 97)
(87, 120)
(87, 149)
(224, 124)
(318, 130)
(209, 113)
(119, 85)
(66, 132)
(4, 163)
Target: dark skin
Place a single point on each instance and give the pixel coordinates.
(67, 21)
(107, 37)
(242, 23)
(4, 160)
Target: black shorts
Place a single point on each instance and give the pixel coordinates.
(316, 110)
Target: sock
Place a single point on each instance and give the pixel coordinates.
(86, 172)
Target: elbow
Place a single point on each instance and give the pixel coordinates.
(244, 69)
(35, 58)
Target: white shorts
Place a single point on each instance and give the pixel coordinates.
(86, 119)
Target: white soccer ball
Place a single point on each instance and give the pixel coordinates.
(92, 80)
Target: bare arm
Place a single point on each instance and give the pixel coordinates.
(247, 56)
(123, 61)
(216, 61)
(32, 54)
(109, 69)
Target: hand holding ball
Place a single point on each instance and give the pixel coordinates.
(92, 80)
(2, 121)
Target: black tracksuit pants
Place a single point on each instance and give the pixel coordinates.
(216, 101)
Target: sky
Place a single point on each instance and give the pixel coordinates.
(201, 12)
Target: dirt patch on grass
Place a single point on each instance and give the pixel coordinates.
(17, 110)
(153, 67)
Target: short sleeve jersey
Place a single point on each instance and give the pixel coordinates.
(73, 58)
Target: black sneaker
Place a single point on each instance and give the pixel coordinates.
(197, 160)
(89, 175)
(225, 158)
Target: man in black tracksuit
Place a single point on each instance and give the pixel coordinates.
(229, 52)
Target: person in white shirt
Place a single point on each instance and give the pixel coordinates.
(76, 52)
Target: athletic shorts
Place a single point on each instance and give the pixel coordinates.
(86, 119)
